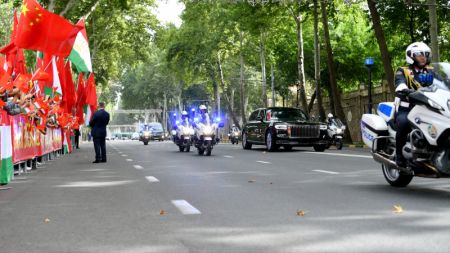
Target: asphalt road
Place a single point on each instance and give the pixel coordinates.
(155, 199)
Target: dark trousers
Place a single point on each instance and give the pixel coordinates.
(77, 138)
(403, 129)
(100, 148)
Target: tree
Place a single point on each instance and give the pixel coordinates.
(336, 96)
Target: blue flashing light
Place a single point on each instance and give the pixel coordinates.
(174, 114)
(369, 61)
(193, 109)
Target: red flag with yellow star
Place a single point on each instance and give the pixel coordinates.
(44, 31)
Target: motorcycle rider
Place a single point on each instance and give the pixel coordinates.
(203, 114)
(330, 117)
(185, 117)
(407, 80)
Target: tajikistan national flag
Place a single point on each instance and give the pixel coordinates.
(80, 55)
(6, 163)
(56, 82)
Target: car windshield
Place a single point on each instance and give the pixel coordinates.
(156, 127)
(288, 114)
(441, 74)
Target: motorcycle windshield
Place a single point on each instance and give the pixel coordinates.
(337, 122)
(441, 76)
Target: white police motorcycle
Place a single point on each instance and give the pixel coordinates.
(427, 150)
(183, 135)
(335, 131)
(205, 135)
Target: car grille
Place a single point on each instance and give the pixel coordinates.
(305, 131)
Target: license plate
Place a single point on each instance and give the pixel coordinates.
(186, 138)
(208, 138)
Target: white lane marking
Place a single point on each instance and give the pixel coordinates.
(124, 155)
(152, 179)
(264, 162)
(129, 160)
(227, 156)
(138, 167)
(184, 207)
(345, 155)
(327, 172)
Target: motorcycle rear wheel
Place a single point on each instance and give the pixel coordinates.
(187, 148)
(181, 148)
(395, 177)
(200, 151)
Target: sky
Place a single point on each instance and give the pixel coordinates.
(169, 11)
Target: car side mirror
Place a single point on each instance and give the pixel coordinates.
(259, 118)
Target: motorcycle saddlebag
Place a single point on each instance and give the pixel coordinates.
(372, 126)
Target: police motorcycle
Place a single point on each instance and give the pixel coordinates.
(234, 135)
(335, 131)
(183, 133)
(205, 132)
(145, 135)
(427, 150)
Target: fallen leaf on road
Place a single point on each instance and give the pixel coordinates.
(397, 209)
(251, 181)
(301, 213)
(162, 212)
(46, 220)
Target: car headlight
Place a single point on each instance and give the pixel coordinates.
(281, 127)
(435, 105)
(339, 131)
(147, 134)
(323, 127)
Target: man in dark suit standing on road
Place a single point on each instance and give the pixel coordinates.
(98, 123)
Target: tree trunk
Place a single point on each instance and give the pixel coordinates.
(263, 69)
(336, 96)
(300, 60)
(69, 5)
(273, 86)
(230, 104)
(318, 92)
(379, 34)
(311, 102)
(165, 114)
(241, 83)
(434, 30)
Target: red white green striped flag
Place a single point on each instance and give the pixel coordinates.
(80, 55)
(6, 166)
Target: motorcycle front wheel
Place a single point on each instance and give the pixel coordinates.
(395, 178)
(339, 144)
(208, 148)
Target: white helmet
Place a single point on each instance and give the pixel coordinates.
(184, 113)
(203, 109)
(417, 48)
(330, 115)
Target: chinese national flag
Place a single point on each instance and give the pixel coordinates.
(41, 30)
(70, 97)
